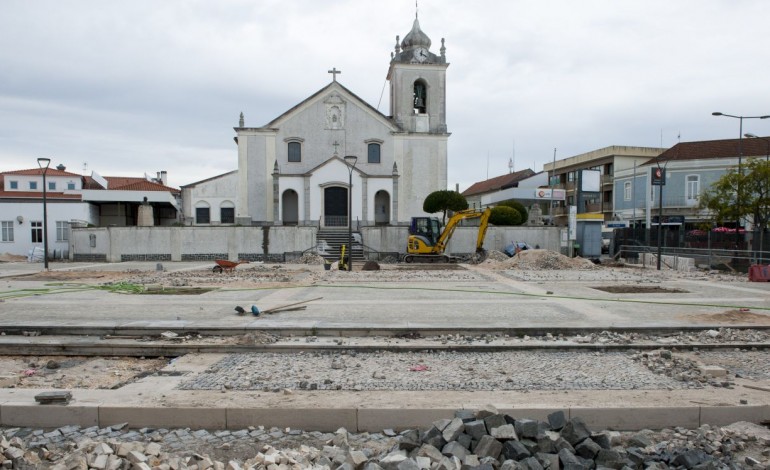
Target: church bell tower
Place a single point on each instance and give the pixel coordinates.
(418, 84)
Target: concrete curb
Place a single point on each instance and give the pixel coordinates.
(361, 419)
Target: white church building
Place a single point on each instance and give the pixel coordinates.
(296, 169)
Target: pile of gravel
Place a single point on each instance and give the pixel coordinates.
(543, 260)
(308, 258)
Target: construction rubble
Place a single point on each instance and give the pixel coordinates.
(483, 439)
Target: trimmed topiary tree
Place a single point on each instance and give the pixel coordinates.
(443, 201)
(504, 215)
(519, 207)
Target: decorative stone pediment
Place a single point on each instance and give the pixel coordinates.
(335, 111)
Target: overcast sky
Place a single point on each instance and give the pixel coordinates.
(134, 87)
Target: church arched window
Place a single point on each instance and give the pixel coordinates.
(373, 152)
(420, 97)
(295, 151)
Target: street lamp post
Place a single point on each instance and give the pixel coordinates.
(43, 163)
(767, 158)
(740, 167)
(351, 162)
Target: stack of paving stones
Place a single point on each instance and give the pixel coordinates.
(482, 439)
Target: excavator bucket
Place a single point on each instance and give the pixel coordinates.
(479, 257)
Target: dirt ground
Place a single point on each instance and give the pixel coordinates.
(65, 372)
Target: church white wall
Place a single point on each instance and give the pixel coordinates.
(334, 174)
(297, 183)
(214, 193)
(373, 186)
(256, 156)
(423, 170)
(359, 125)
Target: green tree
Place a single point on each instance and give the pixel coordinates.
(443, 201)
(519, 207)
(504, 215)
(724, 202)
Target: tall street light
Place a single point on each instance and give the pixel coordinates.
(351, 162)
(43, 163)
(767, 158)
(740, 167)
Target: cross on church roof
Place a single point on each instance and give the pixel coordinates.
(334, 73)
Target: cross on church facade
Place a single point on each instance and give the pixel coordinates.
(335, 144)
(334, 73)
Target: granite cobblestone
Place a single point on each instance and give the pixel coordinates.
(430, 371)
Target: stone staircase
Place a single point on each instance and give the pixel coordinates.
(333, 239)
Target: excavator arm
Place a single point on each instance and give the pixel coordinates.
(448, 231)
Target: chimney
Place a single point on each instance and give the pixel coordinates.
(164, 177)
(61, 167)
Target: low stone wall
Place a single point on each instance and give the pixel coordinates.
(273, 244)
(677, 263)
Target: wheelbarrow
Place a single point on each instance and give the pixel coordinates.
(226, 265)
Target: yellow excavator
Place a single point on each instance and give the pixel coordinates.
(427, 242)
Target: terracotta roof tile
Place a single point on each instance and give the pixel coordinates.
(39, 171)
(498, 182)
(705, 149)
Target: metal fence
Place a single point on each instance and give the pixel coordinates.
(716, 250)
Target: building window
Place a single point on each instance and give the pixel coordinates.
(627, 191)
(52, 185)
(692, 188)
(227, 215)
(62, 231)
(374, 153)
(571, 176)
(571, 200)
(295, 152)
(202, 215)
(7, 230)
(14, 185)
(33, 185)
(71, 185)
(37, 231)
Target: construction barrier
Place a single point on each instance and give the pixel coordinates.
(759, 273)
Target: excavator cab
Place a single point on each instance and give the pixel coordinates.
(428, 228)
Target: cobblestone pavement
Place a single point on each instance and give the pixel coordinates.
(434, 371)
(749, 364)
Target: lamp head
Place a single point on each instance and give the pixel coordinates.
(716, 113)
(351, 160)
(764, 117)
(43, 162)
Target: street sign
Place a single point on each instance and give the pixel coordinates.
(658, 176)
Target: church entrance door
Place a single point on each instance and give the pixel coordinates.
(381, 208)
(335, 207)
(290, 207)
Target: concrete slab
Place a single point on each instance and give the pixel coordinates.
(138, 416)
(49, 416)
(634, 419)
(377, 419)
(320, 419)
(724, 415)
